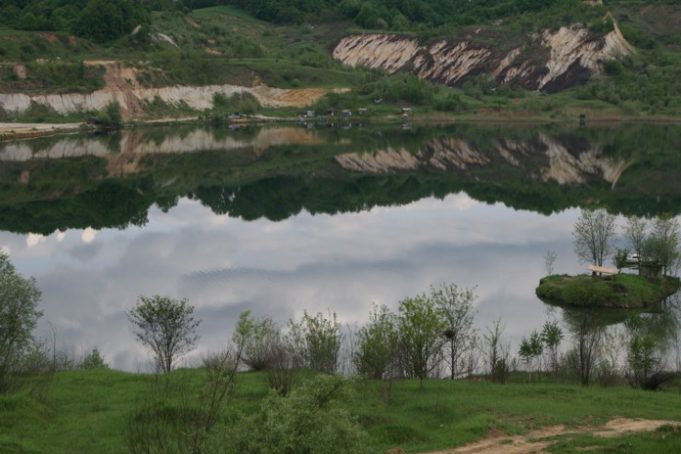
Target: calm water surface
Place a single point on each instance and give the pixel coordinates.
(284, 220)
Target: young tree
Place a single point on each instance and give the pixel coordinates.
(165, 325)
(496, 352)
(455, 305)
(259, 349)
(18, 315)
(552, 335)
(531, 349)
(421, 326)
(593, 234)
(318, 340)
(93, 360)
(377, 345)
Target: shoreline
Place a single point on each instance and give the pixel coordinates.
(19, 131)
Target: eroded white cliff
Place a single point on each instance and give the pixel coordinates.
(550, 61)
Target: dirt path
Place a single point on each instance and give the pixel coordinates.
(537, 441)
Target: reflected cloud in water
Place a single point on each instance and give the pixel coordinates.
(343, 263)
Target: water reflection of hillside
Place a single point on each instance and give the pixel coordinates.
(543, 157)
(124, 151)
(112, 180)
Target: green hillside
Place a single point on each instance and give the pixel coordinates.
(288, 44)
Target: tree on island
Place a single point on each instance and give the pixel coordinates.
(593, 234)
(165, 325)
(635, 232)
(663, 245)
(659, 249)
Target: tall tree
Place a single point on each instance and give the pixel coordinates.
(165, 325)
(593, 234)
(421, 326)
(456, 308)
(19, 314)
(635, 232)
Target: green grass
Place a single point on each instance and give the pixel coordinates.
(619, 291)
(87, 411)
(663, 440)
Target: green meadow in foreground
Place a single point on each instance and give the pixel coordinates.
(89, 411)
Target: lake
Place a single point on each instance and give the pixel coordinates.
(280, 220)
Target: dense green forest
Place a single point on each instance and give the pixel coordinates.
(105, 20)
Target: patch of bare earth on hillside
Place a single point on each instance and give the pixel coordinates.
(121, 79)
(537, 441)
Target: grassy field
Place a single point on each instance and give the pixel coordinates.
(87, 411)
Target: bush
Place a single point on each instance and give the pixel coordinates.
(399, 88)
(451, 102)
(377, 345)
(281, 375)
(244, 103)
(110, 117)
(318, 339)
(260, 348)
(311, 420)
(93, 360)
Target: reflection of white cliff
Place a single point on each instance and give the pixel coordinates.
(382, 161)
(138, 143)
(566, 168)
(451, 152)
(442, 154)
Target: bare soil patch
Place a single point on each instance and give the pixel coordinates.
(537, 441)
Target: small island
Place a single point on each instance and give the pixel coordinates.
(656, 254)
(621, 291)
